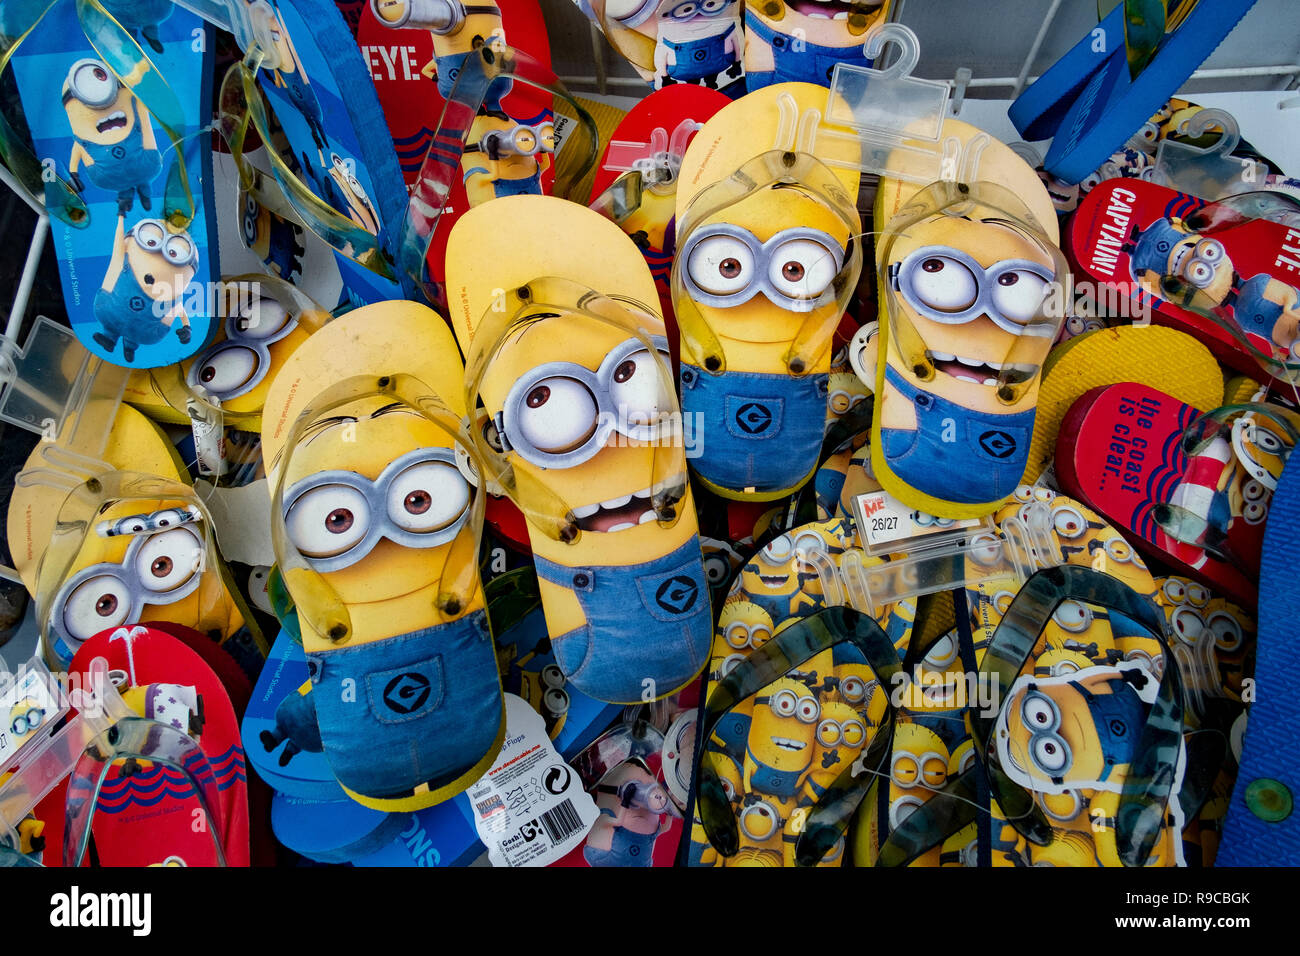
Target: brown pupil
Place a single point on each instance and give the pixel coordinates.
(932, 265)
(1008, 278)
(538, 396)
(161, 567)
(729, 268)
(106, 605)
(418, 502)
(338, 521)
(624, 371)
(792, 271)
(209, 373)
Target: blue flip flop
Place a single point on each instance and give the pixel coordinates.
(1262, 828)
(1092, 104)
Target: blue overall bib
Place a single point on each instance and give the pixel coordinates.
(419, 708)
(984, 462)
(124, 167)
(698, 58)
(448, 68)
(756, 430)
(625, 848)
(528, 186)
(775, 783)
(649, 620)
(1118, 718)
(1253, 312)
(810, 64)
(128, 314)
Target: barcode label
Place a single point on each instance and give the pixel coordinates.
(561, 821)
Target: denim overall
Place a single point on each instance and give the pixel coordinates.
(775, 783)
(984, 462)
(625, 848)
(123, 167)
(528, 186)
(1118, 718)
(420, 708)
(810, 64)
(126, 313)
(698, 58)
(649, 620)
(758, 430)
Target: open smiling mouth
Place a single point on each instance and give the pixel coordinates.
(967, 369)
(112, 121)
(785, 743)
(828, 10)
(617, 514)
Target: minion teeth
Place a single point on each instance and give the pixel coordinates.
(825, 9)
(968, 369)
(112, 121)
(785, 743)
(617, 514)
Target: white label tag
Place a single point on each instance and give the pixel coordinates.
(883, 519)
(25, 707)
(530, 809)
(562, 124)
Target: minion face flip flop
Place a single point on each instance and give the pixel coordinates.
(570, 361)
(767, 260)
(376, 522)
(970, 283)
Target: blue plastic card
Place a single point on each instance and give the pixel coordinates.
(137, 289)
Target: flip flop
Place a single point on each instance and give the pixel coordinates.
(1261, 828)
(610, 513)
(387, 591)
(1161, 358)
(973, 298)
(1199, 267)
(138, 258)
(163, 680)
(1192, 491)
(756, 351)
(1106, 102)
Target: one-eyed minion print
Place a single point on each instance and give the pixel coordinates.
(113, 137)
(457, 30)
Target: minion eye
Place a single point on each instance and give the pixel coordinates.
(784, 703)
(1050, 754)
(1226, 631)
(1040, 713)
(934, 771)
(1254, 512)
(828, 733)
(328, 520)
(638, 389)
(1252, 490)
(262, 319)
(1267, 441)
(178, 250)
(552, 676)
(1199, 273)
(1117, 549)
(1073, 616)
(168, 559)
(737, 636)
(556, 700)
(150, 236)
(558, 415)
(808, 710)
(712, 6)
(96, 604)
(729, 664)
(1209, 250)
(225, 369)
(426, 497)
(945, 284)
(720, 265)
(1068, 522)
(985, 548)
(94, 85)
(1187, 625)
(853, 689)
(136, 524)
(758, 636)
(715, 568)
(759, 822)
(854, 732)
(1018, 294)
(942, 653)
(167, 518)
(1175, 590)
(1076, 325)
(801, 268)
(1197, 594)
(778, 551)
(905, 770)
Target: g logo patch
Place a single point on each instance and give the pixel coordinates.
(998, 444)
(677, 595)
(119, 152)
(754, 418)
(406, 693)
(136, 302)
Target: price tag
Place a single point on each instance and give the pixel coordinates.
(883, 520)
(530, 809)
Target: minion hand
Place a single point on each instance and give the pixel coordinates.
(183, 333)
